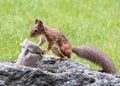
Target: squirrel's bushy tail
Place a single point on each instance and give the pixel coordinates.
(95, 56)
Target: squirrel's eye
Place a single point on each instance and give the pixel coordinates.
(36, 30)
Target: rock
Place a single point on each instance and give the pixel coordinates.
(54, 73)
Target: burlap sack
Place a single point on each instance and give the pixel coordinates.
(30, 55)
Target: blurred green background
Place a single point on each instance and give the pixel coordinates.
(84, 22)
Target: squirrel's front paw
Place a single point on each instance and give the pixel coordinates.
(39, 44)
(45, 51)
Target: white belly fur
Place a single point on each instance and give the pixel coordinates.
(42, 36)
(57, 49)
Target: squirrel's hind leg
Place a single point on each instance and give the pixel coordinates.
(58, 53)
(66, 50)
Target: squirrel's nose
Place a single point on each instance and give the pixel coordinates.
(31, 35)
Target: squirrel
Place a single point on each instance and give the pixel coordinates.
(60, 46)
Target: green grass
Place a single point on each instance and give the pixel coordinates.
(84, 22)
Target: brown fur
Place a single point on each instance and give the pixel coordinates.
(61, 47)
(94, 55)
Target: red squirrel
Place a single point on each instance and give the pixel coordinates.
(60, 46)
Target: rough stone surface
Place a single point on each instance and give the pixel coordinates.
(35, 69)
(54, 73)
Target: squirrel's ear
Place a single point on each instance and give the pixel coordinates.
(36, 21)
(40, 22)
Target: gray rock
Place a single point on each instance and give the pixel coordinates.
(57, 73)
